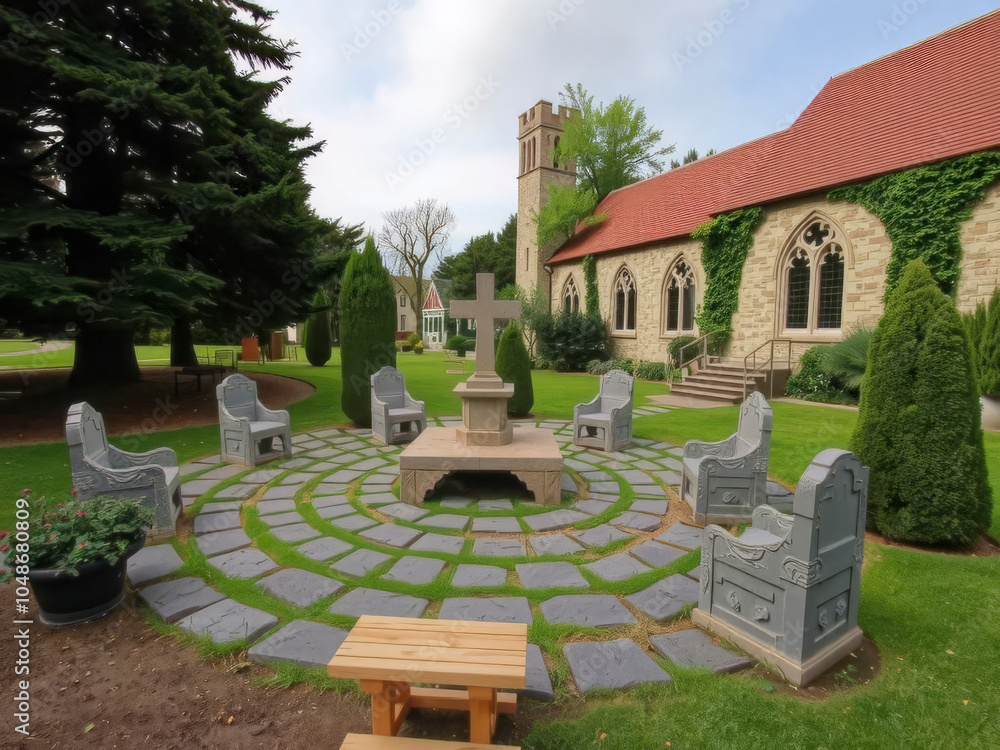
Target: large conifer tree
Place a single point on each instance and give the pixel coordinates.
(147, 184)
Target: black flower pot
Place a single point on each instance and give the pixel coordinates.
(65, 599)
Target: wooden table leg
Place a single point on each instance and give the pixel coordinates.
(482, 714)
(390, 705)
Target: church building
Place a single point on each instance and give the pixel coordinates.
(817, 267)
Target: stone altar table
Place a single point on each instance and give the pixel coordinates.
(485, 442)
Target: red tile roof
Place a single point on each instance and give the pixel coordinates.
(934, 100)
(433, 302)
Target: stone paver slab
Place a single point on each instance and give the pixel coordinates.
(243, 563)
(656, 554)
(354, 522)
(496, 525)
(220, 507)
(607, 488)
(617, 567)
(393, 535)
(153, 562)
(324, 548)
(554, 519)
(334, 511)
(496, 609)
(499, 504)
(693, 648)
(611, 664)
(299, 587)
(446, 521)
(298, 478)
(554, 544)
(227, 620)
(593, 507)
(431, 542)
(590, 610)
(297, 532)
(682, 535)
(664, 599)
(415, 570)
(281, 519)
(237, 491)
(329, 488)
(173, 600)
(364, 601)
(262, 476)
(268, 507)
(479, 575)
(222, 541)
(360, 562)
(223, 472)
(537, 683)
(327, 500)
(498, 548)
(281, 492)
(632, 520)
(198, 487)
(209, 522)
(656, 507)
(545, 575)
(600, 535)
(566, 484)
(404, 511)
(308, 644)
(379, 498)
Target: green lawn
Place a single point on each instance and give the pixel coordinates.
(17, 346)
(934, 617)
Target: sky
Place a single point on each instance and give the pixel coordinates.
(420, 98)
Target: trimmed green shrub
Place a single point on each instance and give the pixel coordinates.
(459, 344)
(513, 366)
(989, 349)
(600, 366)
(918, 423)
(418, 348)
(811, 377)
(568, 341)
(367, 329)
(413, 339)
(974, 323)
(845, 361)
(406, 346)
(675, 346)
(319, 341)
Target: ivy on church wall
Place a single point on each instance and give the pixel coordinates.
(922, 209)
(725, 242)
(591, 299)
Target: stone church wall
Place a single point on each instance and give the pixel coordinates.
(759, 317)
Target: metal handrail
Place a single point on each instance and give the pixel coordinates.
(769, 362)
(701, 343)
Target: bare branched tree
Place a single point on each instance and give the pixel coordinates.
(411, 237)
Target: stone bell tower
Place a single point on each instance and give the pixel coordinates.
(538, 132)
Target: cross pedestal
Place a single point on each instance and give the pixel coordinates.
(484, 395)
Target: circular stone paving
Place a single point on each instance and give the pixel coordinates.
(325, 539)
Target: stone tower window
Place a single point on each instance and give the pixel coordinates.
(679, 299)
(812, 280)
(555, 146)
(624, 307)
(571, 297)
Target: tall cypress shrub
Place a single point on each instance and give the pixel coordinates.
(918, 421)
(514, 366)
(592, 300)
(319, 341)
(989, 349)
(367, 329)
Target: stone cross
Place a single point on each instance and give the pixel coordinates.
(485, 309)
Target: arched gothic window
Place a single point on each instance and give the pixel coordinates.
(624, 291)
(679, 299)
(813, 280)
(571, 297)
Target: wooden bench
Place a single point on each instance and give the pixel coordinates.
(377, 742)
(388, 653)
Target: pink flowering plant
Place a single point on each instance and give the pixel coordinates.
(63, 535)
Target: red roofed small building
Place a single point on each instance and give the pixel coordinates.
(817, 267)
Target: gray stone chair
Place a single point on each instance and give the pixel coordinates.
(723, 482)
(786, 591)
(247, 427)
(606, 421)
(392, 407)
(101, 469)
